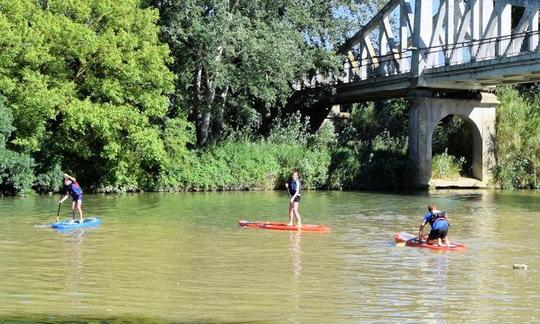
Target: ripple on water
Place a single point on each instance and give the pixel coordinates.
(182, 257)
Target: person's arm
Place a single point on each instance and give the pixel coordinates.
(70, 177)
(64, 198)
(66, 195)
(421, 231)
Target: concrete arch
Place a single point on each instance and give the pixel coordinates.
(427, 112)
(477, 167)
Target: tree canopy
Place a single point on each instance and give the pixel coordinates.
(236, 59)
(87, 83)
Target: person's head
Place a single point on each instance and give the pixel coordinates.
(295, 175)
(67, 181)
(432, 207)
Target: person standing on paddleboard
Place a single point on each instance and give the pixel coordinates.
(439, 227)
(293, 188)
(73, 189)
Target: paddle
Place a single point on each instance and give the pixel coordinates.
(404, 243)
(243, 222)
(58, 212)
(289, 194)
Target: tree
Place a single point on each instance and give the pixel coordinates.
(236, 59)
(87, 81)
(16, 170)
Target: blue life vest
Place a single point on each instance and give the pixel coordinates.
(292, 187)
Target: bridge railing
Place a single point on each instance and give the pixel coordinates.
(487, 46)
(401, 42)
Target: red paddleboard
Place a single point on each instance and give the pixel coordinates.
(283, 226)
(411, 240)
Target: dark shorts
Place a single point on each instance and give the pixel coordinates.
(77, 197)
(297, 199)
(438, 234)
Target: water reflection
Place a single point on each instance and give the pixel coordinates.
(295, 249)
(440, 286)
(74, 268)
(182, 258)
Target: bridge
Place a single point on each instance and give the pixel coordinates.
(433, 52)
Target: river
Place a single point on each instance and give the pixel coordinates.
(180, 257)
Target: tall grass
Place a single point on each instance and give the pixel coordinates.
(446, 166)
(517, 143)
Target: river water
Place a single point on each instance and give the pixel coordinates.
(166, 257)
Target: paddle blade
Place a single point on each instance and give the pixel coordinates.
(400, 244)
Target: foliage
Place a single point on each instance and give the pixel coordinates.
(446, 166)
(16, 173)
(236, 60)
(453, 136)
(16, 170)
(89, 88)
(372, 151)
(517, 145)
(87, 83)
(243, 162)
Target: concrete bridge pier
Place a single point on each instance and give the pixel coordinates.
(425, 114)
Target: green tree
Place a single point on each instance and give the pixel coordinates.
(517, 142)
(16, 170)
(87, 81)
(236, 59)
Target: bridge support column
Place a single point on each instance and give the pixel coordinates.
(427, 112)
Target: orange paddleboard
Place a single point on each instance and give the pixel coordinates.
(284, 227)
(411, 240)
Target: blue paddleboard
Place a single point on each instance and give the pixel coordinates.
(71, 224)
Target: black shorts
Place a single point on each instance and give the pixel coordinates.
(437, 234)
(297, 199)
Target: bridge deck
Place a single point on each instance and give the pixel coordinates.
(480, 75)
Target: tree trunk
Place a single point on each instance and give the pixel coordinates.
(204, 127)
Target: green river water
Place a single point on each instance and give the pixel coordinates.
(166, 257)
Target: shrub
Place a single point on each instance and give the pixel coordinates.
(243, 162)
(446, 166)
(372, 148)
(517, 142)
(16, 169)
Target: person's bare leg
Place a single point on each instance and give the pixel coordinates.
(297, 214)
(447, 242)
(73, 206)
(291, 215)
(79, 209)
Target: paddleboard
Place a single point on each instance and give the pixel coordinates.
(71, 224)
(412, 240)
(283, 226)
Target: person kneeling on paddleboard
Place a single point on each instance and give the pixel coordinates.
(293, 189)
(439, 227)
(73, 189)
